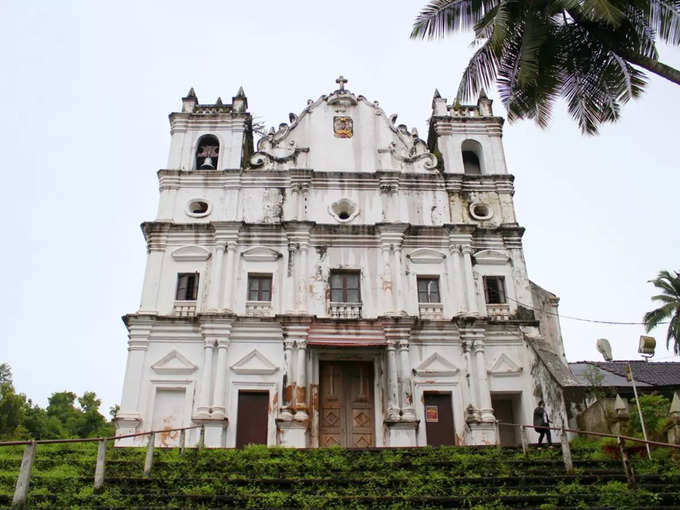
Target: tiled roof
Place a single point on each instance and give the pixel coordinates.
(649, 372)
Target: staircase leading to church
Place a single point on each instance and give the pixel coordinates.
(257, 477)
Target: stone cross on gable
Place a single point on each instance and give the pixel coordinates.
(341, 81)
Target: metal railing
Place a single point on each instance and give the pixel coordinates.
(24, 479)
(566, 448)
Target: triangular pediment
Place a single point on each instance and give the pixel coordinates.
(254, 363)
(504, 366)
(261, 254)
(491, 257)
(346, 132)
(426, 256)
(191, 253)
(173, 363)
(436, 365)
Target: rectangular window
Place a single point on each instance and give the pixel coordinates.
(494, 288)
(428, 289)
(187, 287)
(259, 287)
(345, 287)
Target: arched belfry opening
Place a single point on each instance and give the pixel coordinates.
(472, 157)
(207, 152)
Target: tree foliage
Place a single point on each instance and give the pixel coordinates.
(586, 51)
(20, 418)
(669, 285)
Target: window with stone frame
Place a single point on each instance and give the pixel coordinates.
(345, 287)
(187, 287)
(428, 289)
(259, 287)
(494, 289)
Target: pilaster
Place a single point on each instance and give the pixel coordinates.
(156, 235)
(391, 239)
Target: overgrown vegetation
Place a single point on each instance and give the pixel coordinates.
(260, 477)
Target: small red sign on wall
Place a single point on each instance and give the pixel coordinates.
(432, 414)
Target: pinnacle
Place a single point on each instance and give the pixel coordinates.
(240, 92)
(191, 93)
(437, 95)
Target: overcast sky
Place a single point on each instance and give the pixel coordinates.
(87, 87)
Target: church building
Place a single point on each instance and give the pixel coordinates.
(342, 283)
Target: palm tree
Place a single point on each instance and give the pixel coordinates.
(539, 50)
(670, 308)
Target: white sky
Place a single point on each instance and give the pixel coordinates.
(88, 86)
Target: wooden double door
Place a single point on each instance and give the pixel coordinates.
(346, 413)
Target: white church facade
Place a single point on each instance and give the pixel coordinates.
(343, 283)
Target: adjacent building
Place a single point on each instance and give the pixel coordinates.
(343, 283)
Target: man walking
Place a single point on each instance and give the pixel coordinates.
(541, 423)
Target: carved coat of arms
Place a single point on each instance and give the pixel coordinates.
(343, 127)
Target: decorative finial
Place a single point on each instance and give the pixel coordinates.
(191, 93)
(240, 92)
(341, 81)
(482, 94)
(437, 95)
(219, 102)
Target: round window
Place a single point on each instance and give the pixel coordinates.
(344, 210)
(480, 211)
(198, 207)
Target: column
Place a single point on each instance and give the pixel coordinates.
(138, 345)
(288, 398)
(228, 276)
(470, 293)
(219, 410)
(302, 275)
(407, 411)
(484, 392)
(396, 282)
(152, 275)
(392, 383)
(387, 279)
(216, 280)
(206, 378)
(472, 386)
(301, 376)
(454, 270)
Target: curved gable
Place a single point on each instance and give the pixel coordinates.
(342, 132)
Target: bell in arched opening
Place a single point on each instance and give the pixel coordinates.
(207, 152)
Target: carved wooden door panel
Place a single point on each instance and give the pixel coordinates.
(360, 405)
(346, 411)
(332, 412)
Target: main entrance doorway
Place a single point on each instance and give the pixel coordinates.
(346, 404)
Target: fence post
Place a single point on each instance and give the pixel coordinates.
(525, 439)
(201, 440)
(566, 451)
(21, 490)
(182, 440)
(630, 475)
(100, 467)
(148, 462)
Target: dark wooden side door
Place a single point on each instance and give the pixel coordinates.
(251, 421)
(346, 410)
(439, 419)
(503, 410)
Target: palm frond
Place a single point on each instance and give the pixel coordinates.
(603, 11)
(664, 17)
(480, 73)
(654, 317)
(673, 333)
(441, 17)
